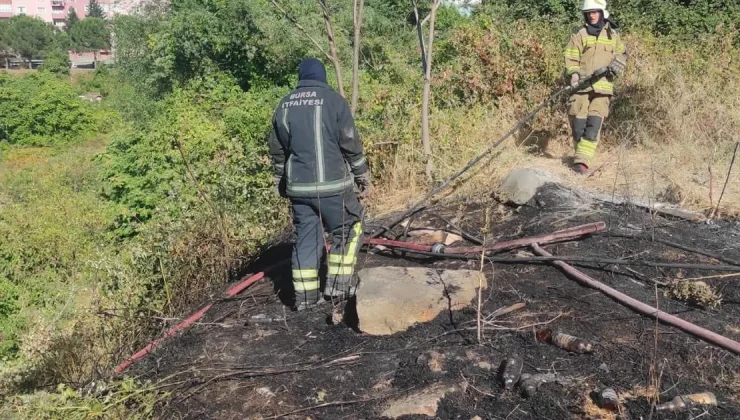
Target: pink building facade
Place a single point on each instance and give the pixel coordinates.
(55, 11)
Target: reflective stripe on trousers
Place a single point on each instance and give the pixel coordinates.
(339, 215)
(342, 260)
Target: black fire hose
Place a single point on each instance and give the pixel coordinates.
(569, 90)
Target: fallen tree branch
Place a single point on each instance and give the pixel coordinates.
(677, 246)
(576, 259)
(561, 235)
(704, 334)
(655, 207)
(459, 230)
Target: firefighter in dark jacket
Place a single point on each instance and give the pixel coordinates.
(318, 159)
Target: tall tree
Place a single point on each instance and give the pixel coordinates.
(332, 46)
(429, 167)
(90, 35)
(4, 48)
(27, 37)
(71, 20)
(95, 10)
(357, 9)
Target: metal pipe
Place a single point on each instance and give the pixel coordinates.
(643, 308)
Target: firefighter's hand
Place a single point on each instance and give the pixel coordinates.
(364, 185)
(574, 79)
(279, 190)
(617, 66)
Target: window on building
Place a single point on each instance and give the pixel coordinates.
(20, 10)
(41, 11)
(6, 8)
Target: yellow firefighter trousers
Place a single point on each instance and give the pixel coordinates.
(587, 112)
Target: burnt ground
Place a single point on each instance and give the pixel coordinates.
(231, 367)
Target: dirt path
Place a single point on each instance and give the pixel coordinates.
(304, 367)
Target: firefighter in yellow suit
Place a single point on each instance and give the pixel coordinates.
(595, 45)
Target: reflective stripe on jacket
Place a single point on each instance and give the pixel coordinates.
(314, 143)
(586, 53)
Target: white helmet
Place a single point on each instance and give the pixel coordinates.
(595, 5)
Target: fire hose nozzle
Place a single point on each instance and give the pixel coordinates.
(438, 248)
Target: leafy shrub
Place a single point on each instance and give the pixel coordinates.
(41, 110)
(676, 19)
(486, 59)
(56, 62)
(196, 185)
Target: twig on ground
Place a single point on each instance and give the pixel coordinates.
(268, 372)
(467, 383)
(595, 171)
(343, 360)
(729, 171)
(329, 404)
(480, 298)
(503, 311)
(577, 258)
(711, 187)
(494, 327)
(677, 246)
(718, 276)
(459, 230)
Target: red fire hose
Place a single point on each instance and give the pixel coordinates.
(643, 308)
(186, 323)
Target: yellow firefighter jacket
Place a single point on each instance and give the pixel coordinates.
(586, 53)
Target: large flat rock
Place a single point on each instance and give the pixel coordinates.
(424, 402)
(521, 184)
(391, 299)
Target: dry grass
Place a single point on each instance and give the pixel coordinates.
(637, 392)
(696, 293)
(669, 124)
(734, 330)
(593, 411)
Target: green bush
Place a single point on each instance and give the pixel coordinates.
(196, 188)
(223, 137)
(683, 20)
(42, 110)
(56, 62)
(52, 225)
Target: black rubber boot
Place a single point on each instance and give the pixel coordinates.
(579, 168)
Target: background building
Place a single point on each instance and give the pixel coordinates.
(56, 12)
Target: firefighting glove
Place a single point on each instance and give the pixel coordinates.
(364, 184)
(279, 190)
(574, 79)
(617, 65)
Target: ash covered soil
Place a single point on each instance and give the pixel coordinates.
(234, 366)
